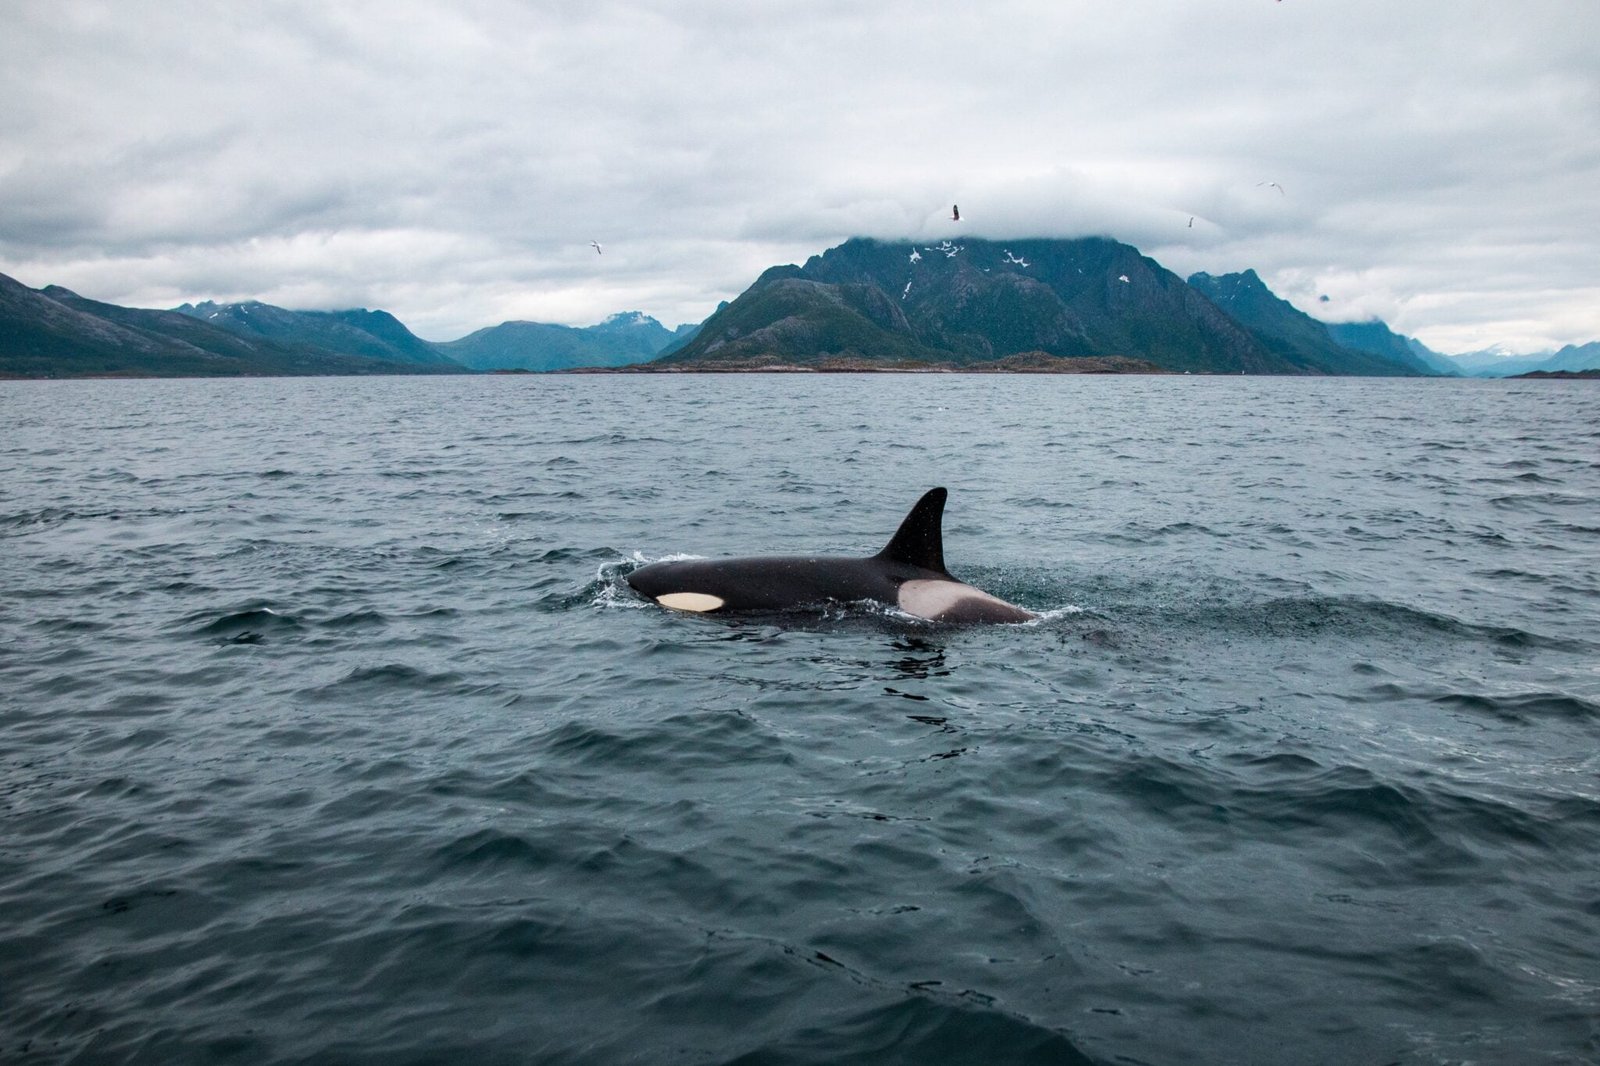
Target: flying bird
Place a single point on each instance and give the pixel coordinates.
(955, 212)
(1274, 184)
(1191, 222)
(596, 246)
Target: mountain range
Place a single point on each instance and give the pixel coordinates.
(362, 333)
(1493, 363)
(621, 340)
(1088, 305)
(974, 301)
(54, 332)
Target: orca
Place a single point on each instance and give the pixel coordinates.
(908, 573)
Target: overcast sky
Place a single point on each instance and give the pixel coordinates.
(1438, 160)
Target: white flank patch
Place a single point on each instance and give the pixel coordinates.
(930, 599)
(690, 601)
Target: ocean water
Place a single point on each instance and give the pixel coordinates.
(330, 732)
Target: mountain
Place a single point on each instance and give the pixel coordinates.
(1377, 338)
(1444, 364)
(1300, 340)
(1498, 363)
(54, 332)
(1495, 363)
(1573, 357)
(974, 301)
(363, 333)
(623, 339)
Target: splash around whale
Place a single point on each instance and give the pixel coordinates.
(909, 573)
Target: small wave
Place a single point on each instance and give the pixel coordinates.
(610, 438)
(1529, 478)
(72, 625)
(1279, 762)
(1524, 501)
(50, 517)
(398, 677)
(561, 555)
(1526, 707)
(930, 1025)
(530, 516)
(683, 745)
(399, 673)
(494, 848)
(1509, 574)
(44, 516)
(248, 624)
(1040, 501)
(1311, 616)
(366, 618)
(1289, 794)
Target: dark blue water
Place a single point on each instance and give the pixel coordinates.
(330, 733)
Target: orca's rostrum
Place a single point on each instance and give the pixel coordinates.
(908, 573)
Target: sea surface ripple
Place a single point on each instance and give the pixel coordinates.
(330, 732)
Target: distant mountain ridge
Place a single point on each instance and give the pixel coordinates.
(973, 301)
(622, 339)
(1376, 337)
(867, 303)
(1496, 364)
(363, 333)
(1294, 336)
(54, 332)
(1574, 357)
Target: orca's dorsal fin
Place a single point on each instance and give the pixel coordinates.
(920, 539)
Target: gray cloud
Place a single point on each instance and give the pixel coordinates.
(451, 165)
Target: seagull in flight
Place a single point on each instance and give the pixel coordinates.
(955, 212)
(1274, 184)
(596, 246)
(1191, 222)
